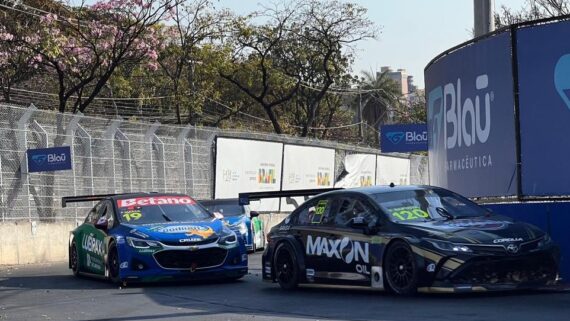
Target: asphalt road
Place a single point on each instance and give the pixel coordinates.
(50, 292)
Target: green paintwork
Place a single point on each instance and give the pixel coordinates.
(91, 248)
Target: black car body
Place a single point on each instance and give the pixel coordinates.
(407, 239)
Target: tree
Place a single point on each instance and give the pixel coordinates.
(84, 48)
(17, 62)
(194, 24)
(303, 49)
(532, 10)
(380, 96)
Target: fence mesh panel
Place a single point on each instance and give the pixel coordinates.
(115, 156)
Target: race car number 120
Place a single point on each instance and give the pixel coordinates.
(407, 214)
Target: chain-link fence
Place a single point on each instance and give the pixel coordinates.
(115, 156)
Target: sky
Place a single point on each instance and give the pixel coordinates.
(412, 32)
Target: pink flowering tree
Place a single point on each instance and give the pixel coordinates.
(84, 48)
(17, 62)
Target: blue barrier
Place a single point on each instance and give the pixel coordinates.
(552, 217)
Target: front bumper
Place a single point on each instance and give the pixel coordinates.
(181, 262)
(481, 273)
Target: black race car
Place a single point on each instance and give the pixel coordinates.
(405, 239)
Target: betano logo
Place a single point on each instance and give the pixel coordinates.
(462, 121)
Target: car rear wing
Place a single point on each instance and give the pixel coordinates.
(84, 198)
(245, 198)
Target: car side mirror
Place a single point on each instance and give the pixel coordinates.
(218, 215)
(102, 224)
(253, 214)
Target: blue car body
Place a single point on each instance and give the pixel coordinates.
(111, 243)
(235, 221)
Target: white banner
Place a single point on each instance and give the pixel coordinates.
(361, 171)
(392, 170)
(306, 167)
(248, 166)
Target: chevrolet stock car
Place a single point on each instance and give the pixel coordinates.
(239, 218)
(152, 237)
(405, 239)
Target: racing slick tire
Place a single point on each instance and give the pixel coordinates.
(286, 267)
(74, 259)
(113, 264)
(401, 271)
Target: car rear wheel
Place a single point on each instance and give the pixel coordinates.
(286, 268)
(74, 259)
(113, 264)
(401, 269)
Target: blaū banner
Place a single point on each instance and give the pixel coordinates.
(471, 126)
(403, 138)
(544, 103)
(49, 159)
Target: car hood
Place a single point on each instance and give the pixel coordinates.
(196, 231)
(495, 230)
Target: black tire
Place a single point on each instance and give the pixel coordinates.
(113, 264)
(74, 259)
(286, 267)
(401, 271)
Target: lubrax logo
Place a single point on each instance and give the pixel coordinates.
(343, 249)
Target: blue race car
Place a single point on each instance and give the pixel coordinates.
(152, 237)
(241, 219)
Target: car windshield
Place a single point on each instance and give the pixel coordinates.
(227, 209)
(427, 204)
(160, 209)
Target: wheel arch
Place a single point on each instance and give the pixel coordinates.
(299, 255)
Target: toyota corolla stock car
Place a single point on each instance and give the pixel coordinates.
(406, 239)
(151, 237)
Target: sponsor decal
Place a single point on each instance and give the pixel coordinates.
(202, 231)
(508, 240)
(403, 137)
(430, 267)
(481, 225)
(133, 215)
(344, 249)
(323, 177)
(190, 240)
(156, 200)
(365, 180)
(138, 233)
(91, 244)
(266, 175)
(124, 265)
(49, 159)
(561, 78)
(172, 229)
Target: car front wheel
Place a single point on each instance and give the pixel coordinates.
(401, 269)
(286, 268)
(113, 264)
